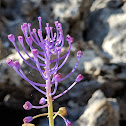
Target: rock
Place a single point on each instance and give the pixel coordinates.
(100, 111)
(3, 51)
(115, 42)
(74, 13)
(98, 25)
(112, 38)
(93, 65)
(29, 7)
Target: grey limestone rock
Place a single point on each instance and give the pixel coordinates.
(100, 111)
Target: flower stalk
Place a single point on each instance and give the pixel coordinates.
(51, 45)
(48, 90)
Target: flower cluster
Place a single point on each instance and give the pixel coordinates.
(51, 45)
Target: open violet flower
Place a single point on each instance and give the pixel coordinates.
(52, 44)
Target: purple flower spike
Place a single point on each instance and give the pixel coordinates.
(11, 37)
(79, 54)
(35, 52)
(10, 62)
(42, 101)
(28, 119)
(57, 76)
(68, 123)
(43, 50)
(17, 64)
(79, 78)
(27, 105)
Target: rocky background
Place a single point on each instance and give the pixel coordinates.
(99, 30)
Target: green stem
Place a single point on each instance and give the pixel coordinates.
(50, 107)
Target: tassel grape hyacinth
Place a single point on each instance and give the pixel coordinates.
(52, 44)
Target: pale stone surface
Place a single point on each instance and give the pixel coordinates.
(100, 111)
(115, 42)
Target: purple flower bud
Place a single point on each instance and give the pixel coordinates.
(39, 18)
(25, 26)
(28, 119)
(27, 105)
(30, 41)
(29, 24)
(22, 27)
(42, 101)
(11, 37)
(68, 123)
(17, 64)
(57, 76)
(56, 23)
(69, 38)
(47, 24)
(10, 62)
(35, 53)
(79, 78)
(79, 54)
(20, 39)
(34, 30)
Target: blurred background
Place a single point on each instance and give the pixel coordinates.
(99, 30)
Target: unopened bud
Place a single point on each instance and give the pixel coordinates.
(11, 37)
(62, 111)
(69, 38)
(10, 62)
(68, 123)
(79, 54)
(28, 119)
(56, 23)
(17, 64)
(29, 24)
(27, 105)
(25, 26)
(57, 76)
(20, 39)
(39, 18)
(30, 41)
(79, 78)
(34, 30)
(35, 53)
(42, 101)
